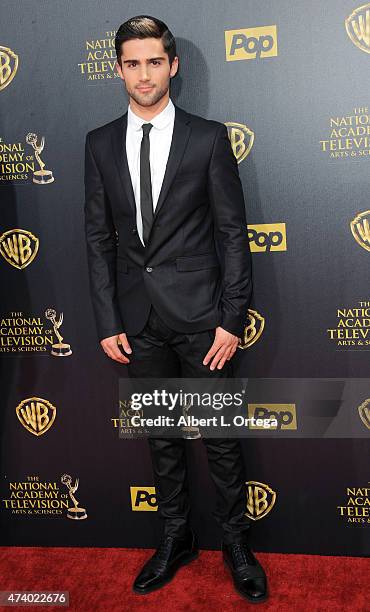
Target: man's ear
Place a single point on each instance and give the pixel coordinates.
(119, 70)
(175, 62)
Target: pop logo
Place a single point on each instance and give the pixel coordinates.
(250, 43)
(284, 414)
(143, 499)
(266, 237)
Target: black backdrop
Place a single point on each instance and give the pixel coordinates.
(298, 172)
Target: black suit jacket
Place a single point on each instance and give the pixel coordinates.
(196, 268)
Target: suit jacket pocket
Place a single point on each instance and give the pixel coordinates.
(196, 262)
(190, 176)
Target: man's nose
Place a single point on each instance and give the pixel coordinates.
(144, 73)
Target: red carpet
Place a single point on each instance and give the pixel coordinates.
(99, 579)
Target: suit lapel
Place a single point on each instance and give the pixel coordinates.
(180, 136)
(120, 156)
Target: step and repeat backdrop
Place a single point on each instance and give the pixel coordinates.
(291, 82)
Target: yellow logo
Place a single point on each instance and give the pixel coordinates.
(143, 499)
(59, 349)
(356, 508)
(241, 138)
(8, 66)
(266, 237)
(284, 414)
(36, 414)
(250, 43)
(19, 247)
(358, 27)
(99, 60)
(42, 176)
(253, 329)
(75, 512)
(260, 499)
(352, 326)
(349, 135)
(35, 497)
(360, 228)
(364, 412)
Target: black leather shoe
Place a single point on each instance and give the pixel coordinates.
(248, 574)
(171, 554)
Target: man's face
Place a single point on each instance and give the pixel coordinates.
(146, 70)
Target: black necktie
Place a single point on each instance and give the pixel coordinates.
(146, 199)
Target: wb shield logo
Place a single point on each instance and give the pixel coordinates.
(36, 414)
(260, 500)
(8, 66)
(241, 139)
(253, 329)
(143, 499)
(19, 247)
(251, 43)
(266, 237)
(364, 412)
(358, 27)
(360, 228)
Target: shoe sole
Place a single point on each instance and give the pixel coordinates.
(244, 595)
(184, 561)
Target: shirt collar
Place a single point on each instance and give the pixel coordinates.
(160, 121)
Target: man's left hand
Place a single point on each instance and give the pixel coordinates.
(222, 349)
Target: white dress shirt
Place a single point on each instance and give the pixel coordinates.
(160, 137)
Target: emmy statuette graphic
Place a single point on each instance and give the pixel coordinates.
(189, 432)
(75, 513)
(60, 349)
(42, 176)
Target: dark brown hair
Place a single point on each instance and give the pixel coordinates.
(145, 26)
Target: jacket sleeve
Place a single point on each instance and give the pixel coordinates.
(228, 207)
(101, 250)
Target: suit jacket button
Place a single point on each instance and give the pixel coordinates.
(134, 231)
(149, 269)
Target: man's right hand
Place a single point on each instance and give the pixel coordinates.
(111, 348)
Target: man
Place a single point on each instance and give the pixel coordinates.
(170, 277)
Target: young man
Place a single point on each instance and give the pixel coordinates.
(171, 279)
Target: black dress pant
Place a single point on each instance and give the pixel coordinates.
(160, 352)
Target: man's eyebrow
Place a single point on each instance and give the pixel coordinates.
(138, 61)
